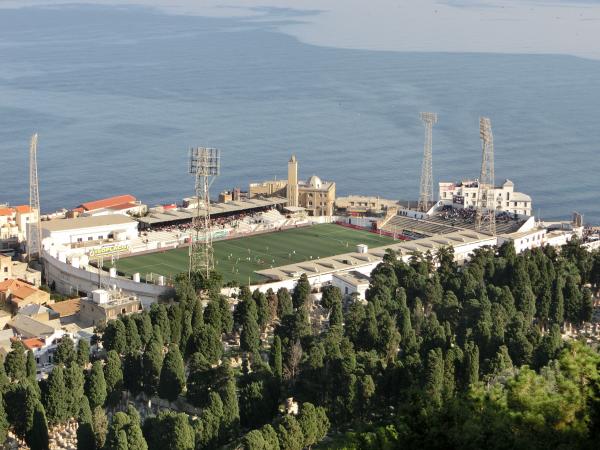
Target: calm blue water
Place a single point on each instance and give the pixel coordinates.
(118, 95)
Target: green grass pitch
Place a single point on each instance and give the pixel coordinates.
(237, 259)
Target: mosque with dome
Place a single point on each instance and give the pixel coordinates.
(315, 196)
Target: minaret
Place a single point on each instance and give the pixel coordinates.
(292, 182)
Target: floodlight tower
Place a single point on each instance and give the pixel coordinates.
(426, 190)
(485, 218)
(34, 232)
(205, 165)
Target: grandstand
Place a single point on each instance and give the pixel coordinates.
(447, 220)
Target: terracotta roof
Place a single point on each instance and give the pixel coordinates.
(21, 209)
(33, 343)
(108, 202)
(6, 211)
(18, 289)
(123, 206)
(66, 307)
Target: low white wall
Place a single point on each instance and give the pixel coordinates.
(69, 279)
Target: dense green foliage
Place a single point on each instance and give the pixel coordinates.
(439, 356)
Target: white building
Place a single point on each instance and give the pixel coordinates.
(89, 231)
(351, 282)
(465, 194)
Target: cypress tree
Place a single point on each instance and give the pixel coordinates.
(172, 375)
(336, 317)
(56, 396)
(135, 437)
(115, 336)
(301, 294)
(83, 352)
(231, 410)
(226, 315)
(144, 327)
(113, 375)
(85, 432)
(3, 422)
(262, 310)
(160, 317)
(95, 387)
(250, 337)
(277, 358)
(206, 340)
(434, 379)
(471, 364)
(212, 315)
(132, 372)
(152, 361)
(65, 352)
(15, 362)
(284, 303)
(75, 382)
(37, 435)
(31, 367)
(134, 342)
(290, 434)
(199, 379)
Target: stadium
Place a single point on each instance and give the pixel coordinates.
(237, 260)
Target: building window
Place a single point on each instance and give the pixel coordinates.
(89, 238)
(79, 239)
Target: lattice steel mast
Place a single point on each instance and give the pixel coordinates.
(485, 217)
(34, 233)
(205, 166)
(426, 190)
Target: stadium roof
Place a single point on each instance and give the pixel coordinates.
(215, 208)
(86, 222)
(354, 260)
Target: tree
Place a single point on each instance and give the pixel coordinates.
(65, 351)
(331, 295)
(301, 292)
(37, 435)
(434, 381)
(3, 422)
(207, 340)
(253, 441)
(132, 372)
(169, 431)
(135, 437)
(276, 358)
(262, 309)
(85, 431)
(56, 397)
(134, 342)
(115, 336)
(83, 352)
(313, 423)
(172, 375)
(15, 363)
(250, 337)
(31, 367)
(199, 379)
(284, 302)
(160, 317)
(336, 316)
(226, 315)
(270, 437)
(100, 426)
(144, 327)
(231, 410)
(290, 434)
(113, 375)
(152, 361)
(21, 400)
(95, 387)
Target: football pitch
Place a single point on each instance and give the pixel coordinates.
(237, 259)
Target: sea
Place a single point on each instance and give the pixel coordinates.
(118, 95)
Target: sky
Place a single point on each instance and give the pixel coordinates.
(569, 27)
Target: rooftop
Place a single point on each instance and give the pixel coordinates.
(19, 289)
(86, 222)
(108, 202)
(67, 307)
(30, 327)
(215, 208)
